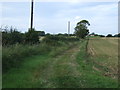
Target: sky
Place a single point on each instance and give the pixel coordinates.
(53, 17)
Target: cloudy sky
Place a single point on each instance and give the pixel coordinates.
(53, 17)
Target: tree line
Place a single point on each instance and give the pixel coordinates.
(108, 35)
(12, 36)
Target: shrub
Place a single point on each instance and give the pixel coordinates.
(57, 40)
(11, 37)
(31, 37)
(12, 55)
(109, 35)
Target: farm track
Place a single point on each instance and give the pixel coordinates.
(64, 65)
(47, 71)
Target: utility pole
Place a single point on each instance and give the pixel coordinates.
(119, 39)
(68, 28)
(31, 24)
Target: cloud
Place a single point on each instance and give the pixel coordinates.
(51, 25)
(53, 17)
(73, 1)
(103, 17)
(17, 23)
(77, 17)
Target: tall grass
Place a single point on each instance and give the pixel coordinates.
(13, 56)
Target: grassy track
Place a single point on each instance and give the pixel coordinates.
(43, 71)
(71, 68)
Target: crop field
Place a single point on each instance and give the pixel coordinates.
(104, 52)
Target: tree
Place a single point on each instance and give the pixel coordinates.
(117, 35)
(31, 37)
(109, 35)
(81, 29)
(41, 33)
(11, 36)
(102, 35)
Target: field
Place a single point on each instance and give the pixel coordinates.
(104, 52)
(83, 64)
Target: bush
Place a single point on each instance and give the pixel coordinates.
(12, 36)
(109, 35)
(101, 35)
(57, 40)
(31, 37)
(12, 55)
(117, 35)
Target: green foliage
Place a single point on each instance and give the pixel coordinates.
(11, 37)
(23, 77)
(31, 37)
(65, 34)
(12, 56)
(57, 40)
(117, 35)
(81, 29)
(102, 35)
(62, 71)
(32, 68)
(109, 35)
(41, 33)
(37, 66)
(48, 34)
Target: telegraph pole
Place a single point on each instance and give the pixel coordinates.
(68, 28)
(31, 24)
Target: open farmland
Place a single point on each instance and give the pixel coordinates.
(74, 66)
(104, 52)
(60, 44)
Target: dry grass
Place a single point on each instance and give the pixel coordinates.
(105, 53)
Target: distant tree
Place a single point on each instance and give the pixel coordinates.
(48, 34)
(72, 34)
(102, 35)
(41, 33)
(96, 35)
(59, 34)
(117, 35)
(92, 33)
(81, 29)
(65, 34)
(109, 35)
